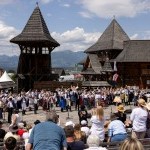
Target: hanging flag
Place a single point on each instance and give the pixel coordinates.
(115, 66)
(115, 77)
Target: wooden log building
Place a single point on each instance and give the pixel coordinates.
(114, 45)
(36, 45)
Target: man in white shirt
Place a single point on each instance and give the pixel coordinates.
(139, 118)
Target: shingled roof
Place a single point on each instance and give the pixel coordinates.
(135, 51)
(112, 39)
(35, 31)
(96, 65)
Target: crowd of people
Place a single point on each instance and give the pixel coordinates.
(65, 98)
(89, 105)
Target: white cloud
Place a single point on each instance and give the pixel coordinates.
(76, 39)
(7, 33)
(46, 1)
(134, 36)
(85, 14)
(119, 8)
(66, 5)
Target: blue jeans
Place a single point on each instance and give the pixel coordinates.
(118, 137)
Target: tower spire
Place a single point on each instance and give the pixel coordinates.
(37, 4)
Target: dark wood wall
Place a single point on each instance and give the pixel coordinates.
(134, 74)
(34, 67)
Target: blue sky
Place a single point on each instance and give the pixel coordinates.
(75, 24)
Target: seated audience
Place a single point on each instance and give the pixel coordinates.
(139, 118)
(69, 123)
(79, 135)
(116, 130)
(93, 142)
(26, 134)
(47, 135)
(21, 129)
(12, 133)
(11, 144)
(35, 123)
(131, 144)
(72, 144)
(84, 127)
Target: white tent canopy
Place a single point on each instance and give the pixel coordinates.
(5, 78)
(6, 81)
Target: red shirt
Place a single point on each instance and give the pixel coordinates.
(20, 132)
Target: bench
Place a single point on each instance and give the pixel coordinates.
(115, 145)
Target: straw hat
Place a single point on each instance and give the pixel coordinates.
(142, 102)
(120, 108)
(13, 128)
(148, 106)
(117, 99)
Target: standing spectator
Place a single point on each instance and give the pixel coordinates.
(97, 98)
(72, 144)
(98, 123)
(35, 105)
(148, 120)
(23, 104)
(2, 132)
(47, 135)
(120, 114)
(62, 103)
(15, 119)
(139, 118)
(116, 130)
(82, 113)
(10, 109)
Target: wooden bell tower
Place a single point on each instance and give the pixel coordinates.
(36, 45)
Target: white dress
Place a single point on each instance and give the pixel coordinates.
(23, 104)
(97, 127)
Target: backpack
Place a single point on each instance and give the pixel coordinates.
(148, 121)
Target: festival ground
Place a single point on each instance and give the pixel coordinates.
(30, 117)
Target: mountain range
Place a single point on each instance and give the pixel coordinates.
(62, 59)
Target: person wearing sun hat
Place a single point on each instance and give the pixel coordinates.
(139, 119)
(121, 113)
(13, 129)
(148, 120)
